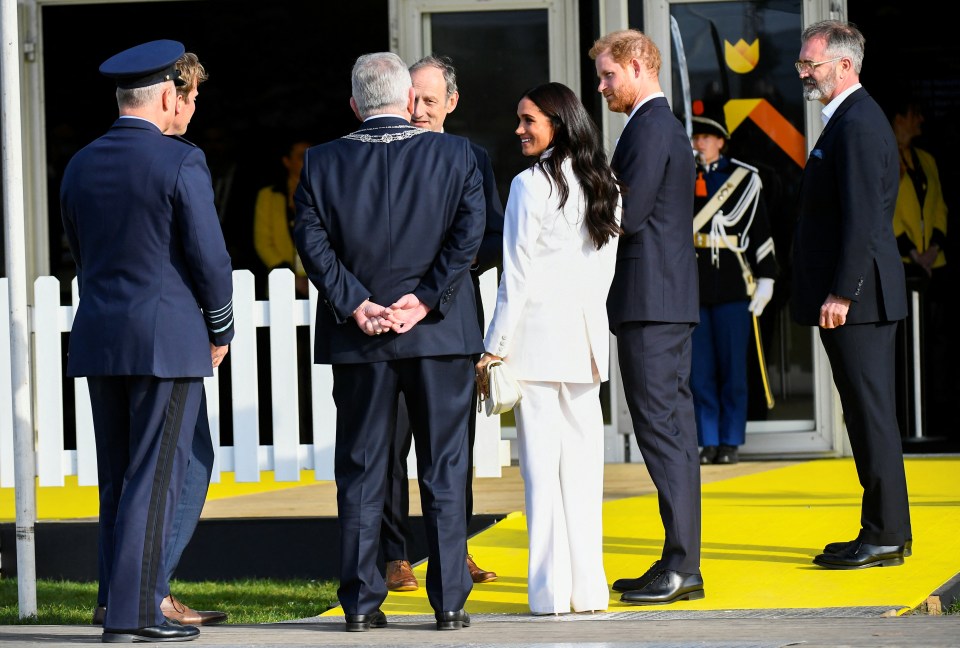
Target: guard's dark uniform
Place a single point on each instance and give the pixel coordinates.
(719, 373)
(155, 292)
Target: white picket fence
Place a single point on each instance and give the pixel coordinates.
(246, 458)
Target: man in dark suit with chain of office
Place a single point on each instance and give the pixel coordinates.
(849, 282)
(155, 316)
(654, 305)
(389, 248)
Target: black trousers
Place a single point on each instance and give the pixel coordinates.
(437, 391)
(395, 528)
(655, 365)
(863, 364)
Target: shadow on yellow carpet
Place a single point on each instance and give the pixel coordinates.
(760, 533)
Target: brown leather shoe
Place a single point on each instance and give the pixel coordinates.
(479, 575)
(176, 610)
(400, 577)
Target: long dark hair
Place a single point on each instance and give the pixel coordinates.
(575, 136)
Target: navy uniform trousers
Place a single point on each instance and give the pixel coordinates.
(193, 495)
(144, 430)
(366, 397)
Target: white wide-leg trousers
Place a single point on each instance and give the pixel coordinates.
(560, 436)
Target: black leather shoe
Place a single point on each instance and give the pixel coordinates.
(453, 620)
(629, 584)
(166, 631)
(837, 547)
(727, 455)
(99, 614)
(667, 587)
(859, 555)
(707, 455)
(363, 622)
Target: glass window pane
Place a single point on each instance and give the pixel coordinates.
(498, 55)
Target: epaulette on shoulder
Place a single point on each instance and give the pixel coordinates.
(183, 139)
(744, 165)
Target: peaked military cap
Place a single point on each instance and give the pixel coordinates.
(145, 65)
(712, 125)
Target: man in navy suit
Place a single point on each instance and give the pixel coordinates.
(389, 249)
(849, 281)
(654, 304)
(435, 86)
(155, 316)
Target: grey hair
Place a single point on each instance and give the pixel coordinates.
(842, 39)
(140, 97)
(445, 65)
(380, 82)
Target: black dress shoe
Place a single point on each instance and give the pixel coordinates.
(166, 631)
(859, 555)
(707, 455)
(837, 547)
(363, 622)
(452, 620)
(667, 587)
(628, 584)
(99, 614)
(727, 455)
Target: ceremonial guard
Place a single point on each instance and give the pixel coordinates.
(737, 268)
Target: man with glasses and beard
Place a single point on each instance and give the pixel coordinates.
(849, 281)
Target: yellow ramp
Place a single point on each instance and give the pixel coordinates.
(760, 533)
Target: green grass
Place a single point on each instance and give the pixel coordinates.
(246, 601)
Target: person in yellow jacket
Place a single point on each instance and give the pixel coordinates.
(273, 217)
(920, 225)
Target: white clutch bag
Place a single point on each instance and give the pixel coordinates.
(503, 391)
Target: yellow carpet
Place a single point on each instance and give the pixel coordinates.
(69, 502)
(760, 533)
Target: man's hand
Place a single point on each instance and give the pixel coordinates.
(833, 313)
(403, 314)
(218, 353)
(369, 317)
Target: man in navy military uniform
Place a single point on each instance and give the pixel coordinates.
(389, 249)
(155, 316)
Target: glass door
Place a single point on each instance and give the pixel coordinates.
(736, 56)
(500, 49)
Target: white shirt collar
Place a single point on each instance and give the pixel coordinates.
(137, 117)
(645, 100)
(385, 115)
(831, 107)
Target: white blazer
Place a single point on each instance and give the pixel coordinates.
(551, 313)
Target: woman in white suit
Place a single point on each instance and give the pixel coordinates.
(550, 327)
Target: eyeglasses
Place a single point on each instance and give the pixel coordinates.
(810, 65)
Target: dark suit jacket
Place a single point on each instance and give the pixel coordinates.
(491, 248)
(380, 219)
(656, 276)
(844, 242)
(153, 270)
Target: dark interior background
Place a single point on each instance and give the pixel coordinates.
(281, 69)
